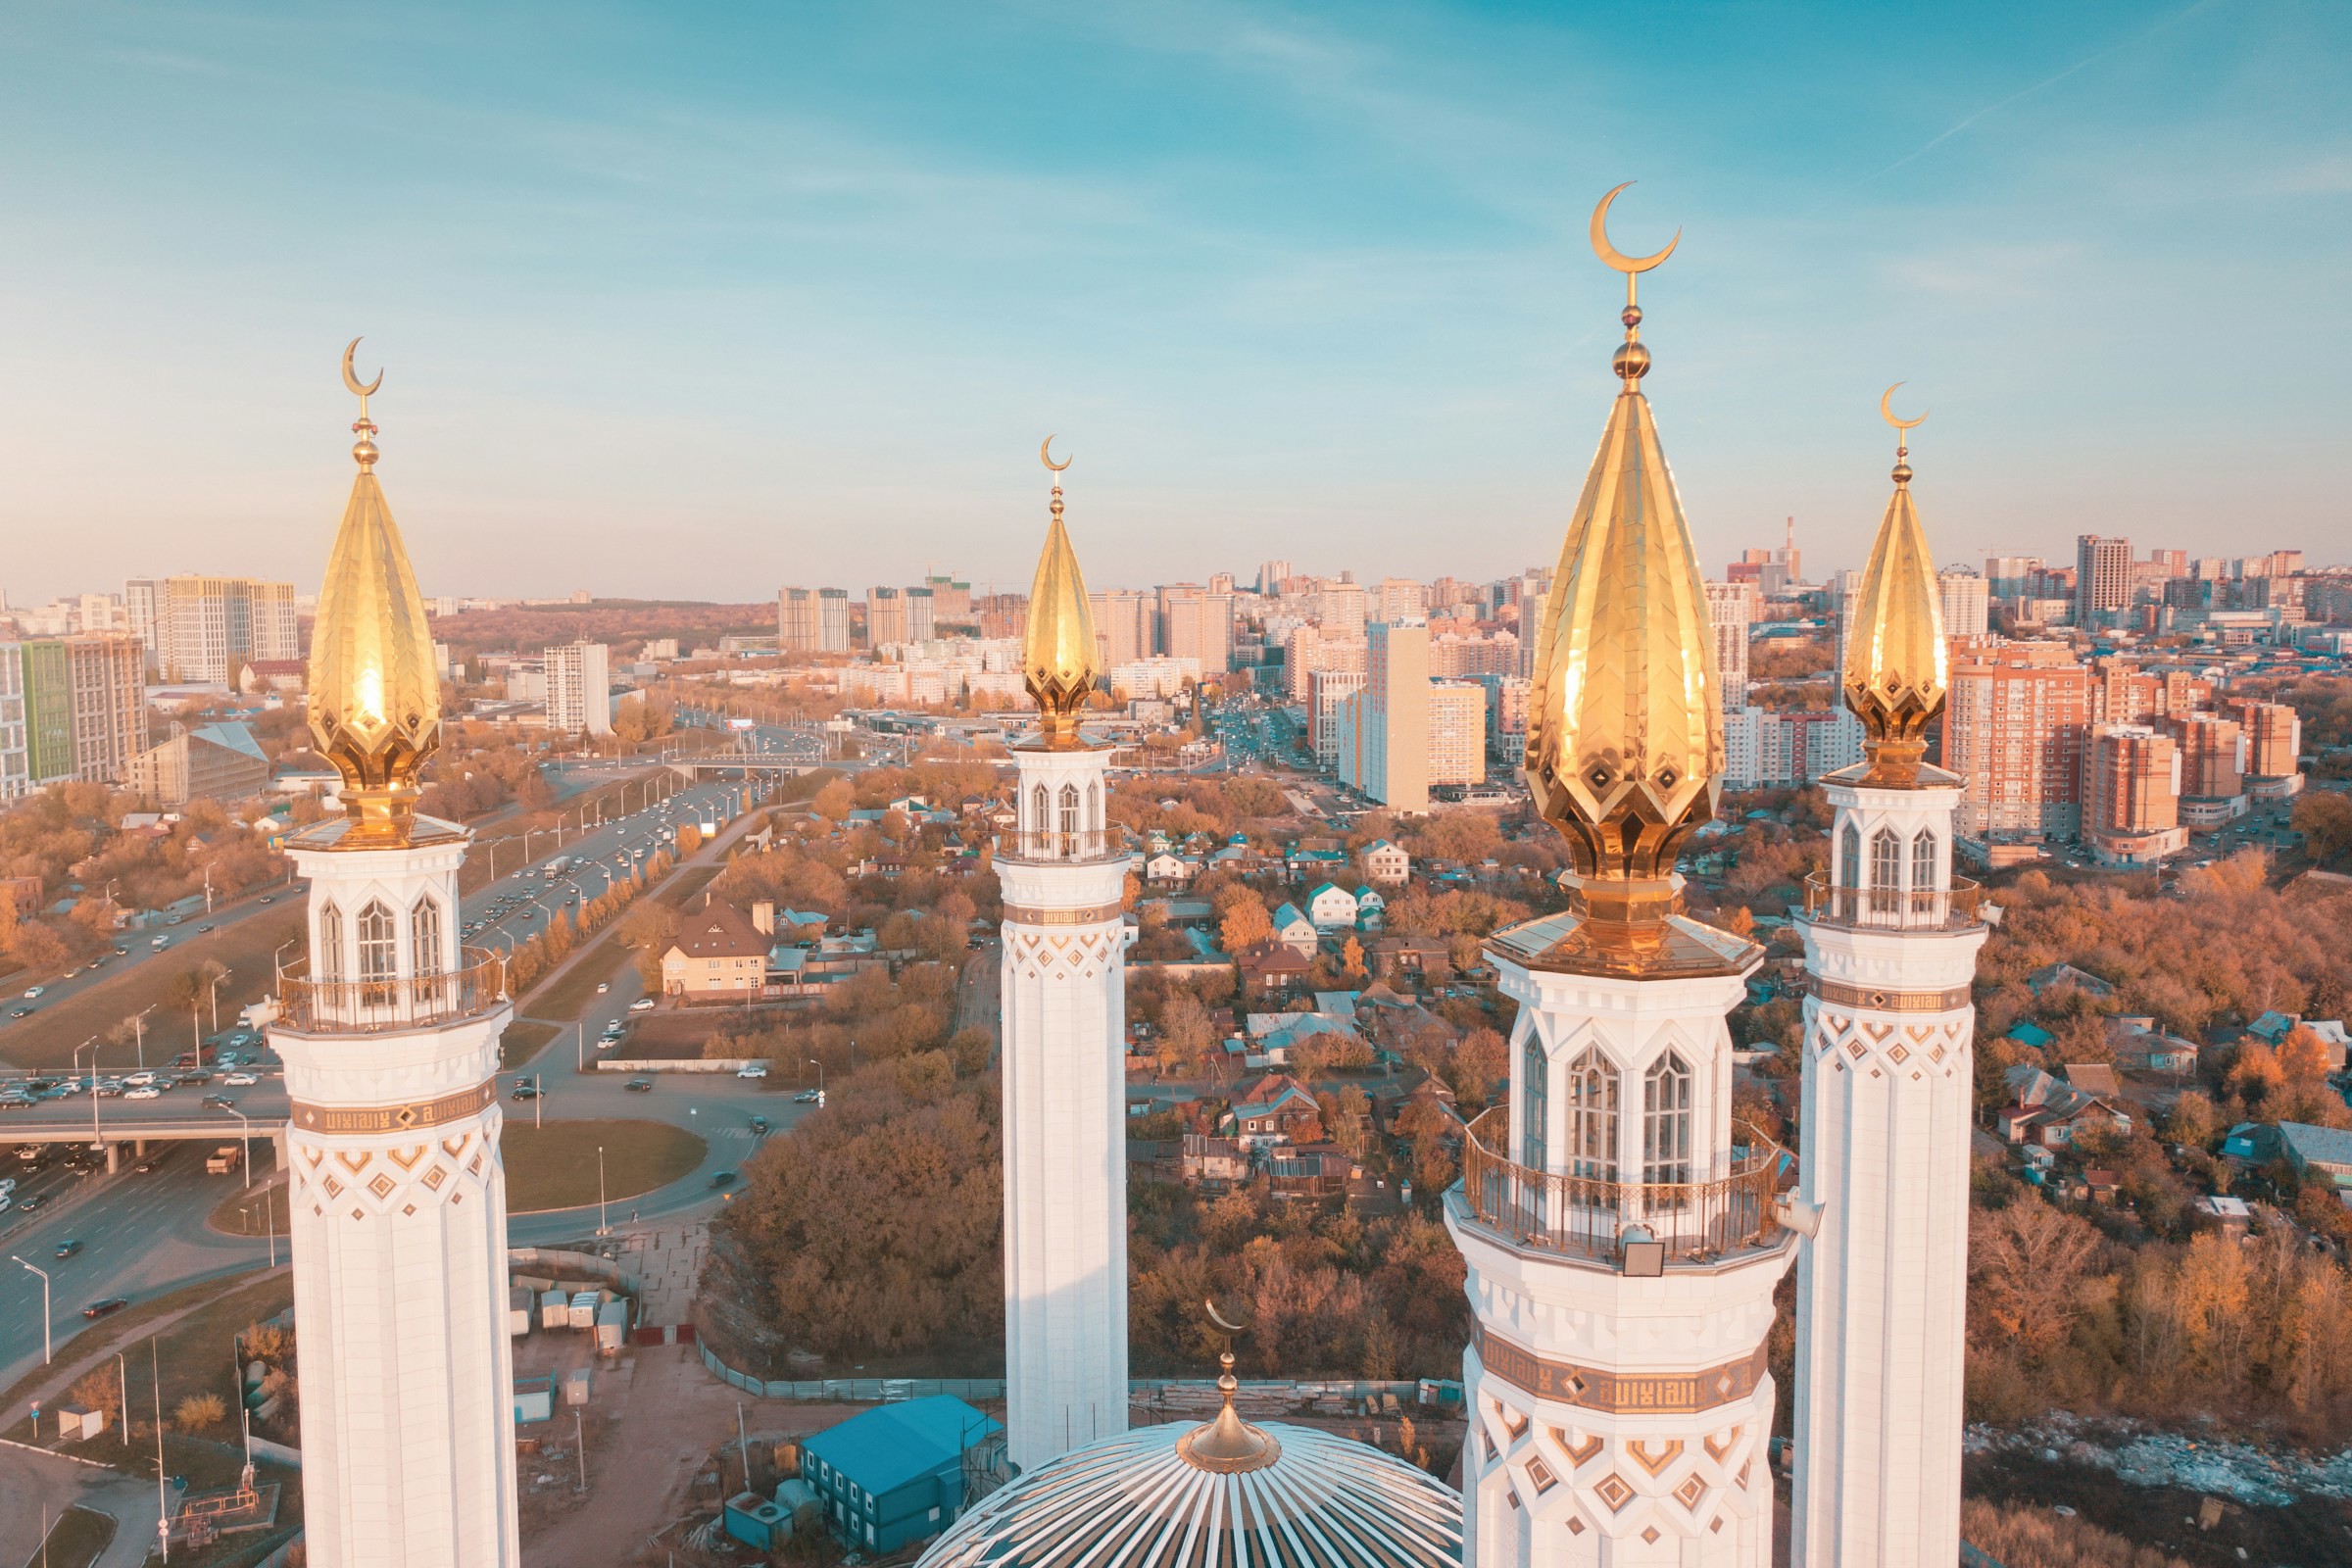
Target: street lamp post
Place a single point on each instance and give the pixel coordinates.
(602, 1229)
(215, 1006)
(91, 1046)
(138, 1031)
(44, 1274)
(245, 1141)
(820, 1081)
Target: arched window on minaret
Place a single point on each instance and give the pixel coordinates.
(1885, 871)
(1070, 812)
(1093, 809)
(1849, 870)
(1666, 1121)
(1535, 1102)
(1925, 873)
(379, 954)
(329, 964)
(1039, 813)
(1592, 1116)
(425, 935)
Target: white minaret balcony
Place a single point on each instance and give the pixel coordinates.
(391, 1004)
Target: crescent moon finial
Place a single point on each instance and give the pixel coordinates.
(1887, 410)
(1218, 1318)
(1045, 454)
(1610, 256)
(350, 383)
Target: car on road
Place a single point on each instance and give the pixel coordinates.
(722, 1178)
(239, 1080)
(526, 1092)
(602, 986)
(143, 1092)
(138, 1080)
(642, 1005)
(159, 943)
(267, 897)
(26, 1205)
(68, 1247)
(755, 1070)
(809, 1096)
(31, 991)
(121, 952)
(219, 1101)
(639, 1086)
(202, 929)
(104, 1306)
(23, 1013)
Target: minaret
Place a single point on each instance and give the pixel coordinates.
(1065, 998)
(1890, 952)
(1619, 1226)
(390, 1041)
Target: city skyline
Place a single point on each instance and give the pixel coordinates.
(1310, 277)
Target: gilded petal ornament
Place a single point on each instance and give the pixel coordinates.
(375, 696)
(1897, 663)
(1057, 655)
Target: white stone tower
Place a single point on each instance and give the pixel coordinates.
(1620, 1227)
(1063, 872)
(390, 1041)
(1890, 952)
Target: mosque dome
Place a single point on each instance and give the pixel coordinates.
(1225, 1493)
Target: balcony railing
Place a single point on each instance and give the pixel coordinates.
(1698, 1221)
(386, 1006)
(1929, 910)
(1067, 849)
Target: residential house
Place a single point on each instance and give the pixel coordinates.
(1310, 1170)
(2055, 976)
(1168, 870)
(2320, 1155)
(2031, 1034)
(1269, 1111)
(1371, 908)
(2053, 1115)
(1271, 967)
(1331, 907)
(1431, 958)
(1215, 1163)
(2273, 1028)
(1302, 864)
(719, 954)
(892, 1475)
(1291, 926)
(2252, 1142)
(2140, 1046)
(1385, 863)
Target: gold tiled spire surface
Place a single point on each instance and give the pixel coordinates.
(1897, 663)
(1057, 655)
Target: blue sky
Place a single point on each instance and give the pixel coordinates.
(698, 300)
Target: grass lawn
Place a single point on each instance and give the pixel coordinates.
(261, 1211)
(48, 1038)
(555, 1166)
(567, 996)
(522, 1040)
(77, 1539)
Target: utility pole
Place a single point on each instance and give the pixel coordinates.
(46, 1349)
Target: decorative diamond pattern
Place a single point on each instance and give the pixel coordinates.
(1614, 1491)
(382, 1185)
(1691, 1492)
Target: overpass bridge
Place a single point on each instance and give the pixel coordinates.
(137, 1123)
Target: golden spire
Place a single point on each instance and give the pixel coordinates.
(1897, 664)
(376, 700)
(1058, 658)
(1624, 734)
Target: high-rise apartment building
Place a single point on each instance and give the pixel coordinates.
(1006, 615)
(2132, 802)
(1123, 625)
(2274, 735)
(2011, 576)
(951, 601)
(922, 614)
(1527, 593)
(1271, 575)
(1453, 655)
(833, 620)
(799, 624)
(1310, 650)
(1731, 610)
(15, 767)
(85, 707)
(2102, 577)
(1397, 599)
(1196, 623)
(1783, 747)
(1457, 733)
(2212, 767)
(1342, 608)
(1507, 718)
(2014, 732)
(201, 630)
(1967, 602)
(1389, 753)
(579, 689)
(1327, 691)
(885, 618)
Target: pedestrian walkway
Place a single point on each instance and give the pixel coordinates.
(667, 1259)
(38, 1487)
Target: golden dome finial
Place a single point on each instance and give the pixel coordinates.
(1625, 736)
(1057, 656)
(1897, 664)
(375, 699)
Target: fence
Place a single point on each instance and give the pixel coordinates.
(316, 1007)
(1187, 1393)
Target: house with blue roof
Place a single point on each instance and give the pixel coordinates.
(1331, 907)
(894, 1475)
(2320, 1155)
(1295, 930)
(1371, 908)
